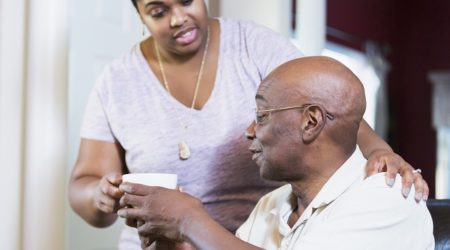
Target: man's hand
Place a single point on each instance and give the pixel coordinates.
(161, 213)
(164, 244)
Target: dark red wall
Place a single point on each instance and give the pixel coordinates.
(418, 36)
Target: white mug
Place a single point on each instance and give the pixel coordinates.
(152, 179)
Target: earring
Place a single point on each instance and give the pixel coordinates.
(143, 30)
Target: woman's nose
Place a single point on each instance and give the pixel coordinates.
(250, 131)
(178, 17)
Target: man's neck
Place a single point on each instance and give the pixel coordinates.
(304, 193)
(307, 189)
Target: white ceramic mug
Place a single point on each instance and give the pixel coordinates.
(152, 179)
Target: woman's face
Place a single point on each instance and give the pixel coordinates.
(178, 26)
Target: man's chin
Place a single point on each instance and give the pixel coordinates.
(267, 174)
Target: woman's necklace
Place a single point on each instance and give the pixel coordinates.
(183, 149)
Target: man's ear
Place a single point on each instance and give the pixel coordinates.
(313, 122)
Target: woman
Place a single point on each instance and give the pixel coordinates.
(178, 103)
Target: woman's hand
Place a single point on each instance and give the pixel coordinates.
(93, 186)
(107, 193)
(392, 163)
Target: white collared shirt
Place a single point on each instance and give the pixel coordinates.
(349, 212)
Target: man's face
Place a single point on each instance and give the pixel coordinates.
(276, 138)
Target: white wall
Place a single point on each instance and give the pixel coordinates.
(100, 30)
(311, 26)
(275, 14)
(11, 120)
(441, 122)
(33, 67)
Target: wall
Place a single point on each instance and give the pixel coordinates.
(417, 34)
(100, 31)
(11, 121)
(33, 65)
(258, 11)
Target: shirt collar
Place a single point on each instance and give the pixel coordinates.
(350, 172)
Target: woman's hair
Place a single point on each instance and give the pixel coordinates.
(134, 3)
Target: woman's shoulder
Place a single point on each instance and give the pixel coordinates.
(253, 34)
(126, 60)
(125, 68)
(127, 63)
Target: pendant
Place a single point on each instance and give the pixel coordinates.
(184, 151)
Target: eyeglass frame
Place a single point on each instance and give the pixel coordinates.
(304, 106)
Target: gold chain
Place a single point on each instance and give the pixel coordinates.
(200, 72)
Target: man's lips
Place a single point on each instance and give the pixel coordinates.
(256, 155)
(256, 150)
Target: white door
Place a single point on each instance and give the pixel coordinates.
(100, 31)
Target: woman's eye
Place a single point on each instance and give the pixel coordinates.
(186, 2)
(157, 12)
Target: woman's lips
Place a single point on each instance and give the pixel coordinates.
(186, 37)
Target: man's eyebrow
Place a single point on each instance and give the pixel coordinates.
(260, 97)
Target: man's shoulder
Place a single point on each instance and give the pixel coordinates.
(374, 195)
(376, 185)
(372, 215)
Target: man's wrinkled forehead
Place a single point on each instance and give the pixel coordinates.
(266, 91)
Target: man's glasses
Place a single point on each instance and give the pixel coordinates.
(264, 114)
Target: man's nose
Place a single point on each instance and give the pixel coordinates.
(250, 131)
(178, 17)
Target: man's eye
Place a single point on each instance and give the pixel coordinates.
(260, 117)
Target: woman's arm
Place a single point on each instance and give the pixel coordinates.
(380, 157)
(369, 142)
(93, 187)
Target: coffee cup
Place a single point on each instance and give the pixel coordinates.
(152, 179)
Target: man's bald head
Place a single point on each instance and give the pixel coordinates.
(319, 80)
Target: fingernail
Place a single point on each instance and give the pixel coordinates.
(124, 188)
(406, 192)
(425, 197)
(418, 196)
(390, 181)
(120, 213)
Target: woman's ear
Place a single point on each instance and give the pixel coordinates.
(313, 122)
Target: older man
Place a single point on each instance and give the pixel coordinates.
(307, 118)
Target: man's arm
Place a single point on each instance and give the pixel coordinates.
(177, 216)
(205, 233)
